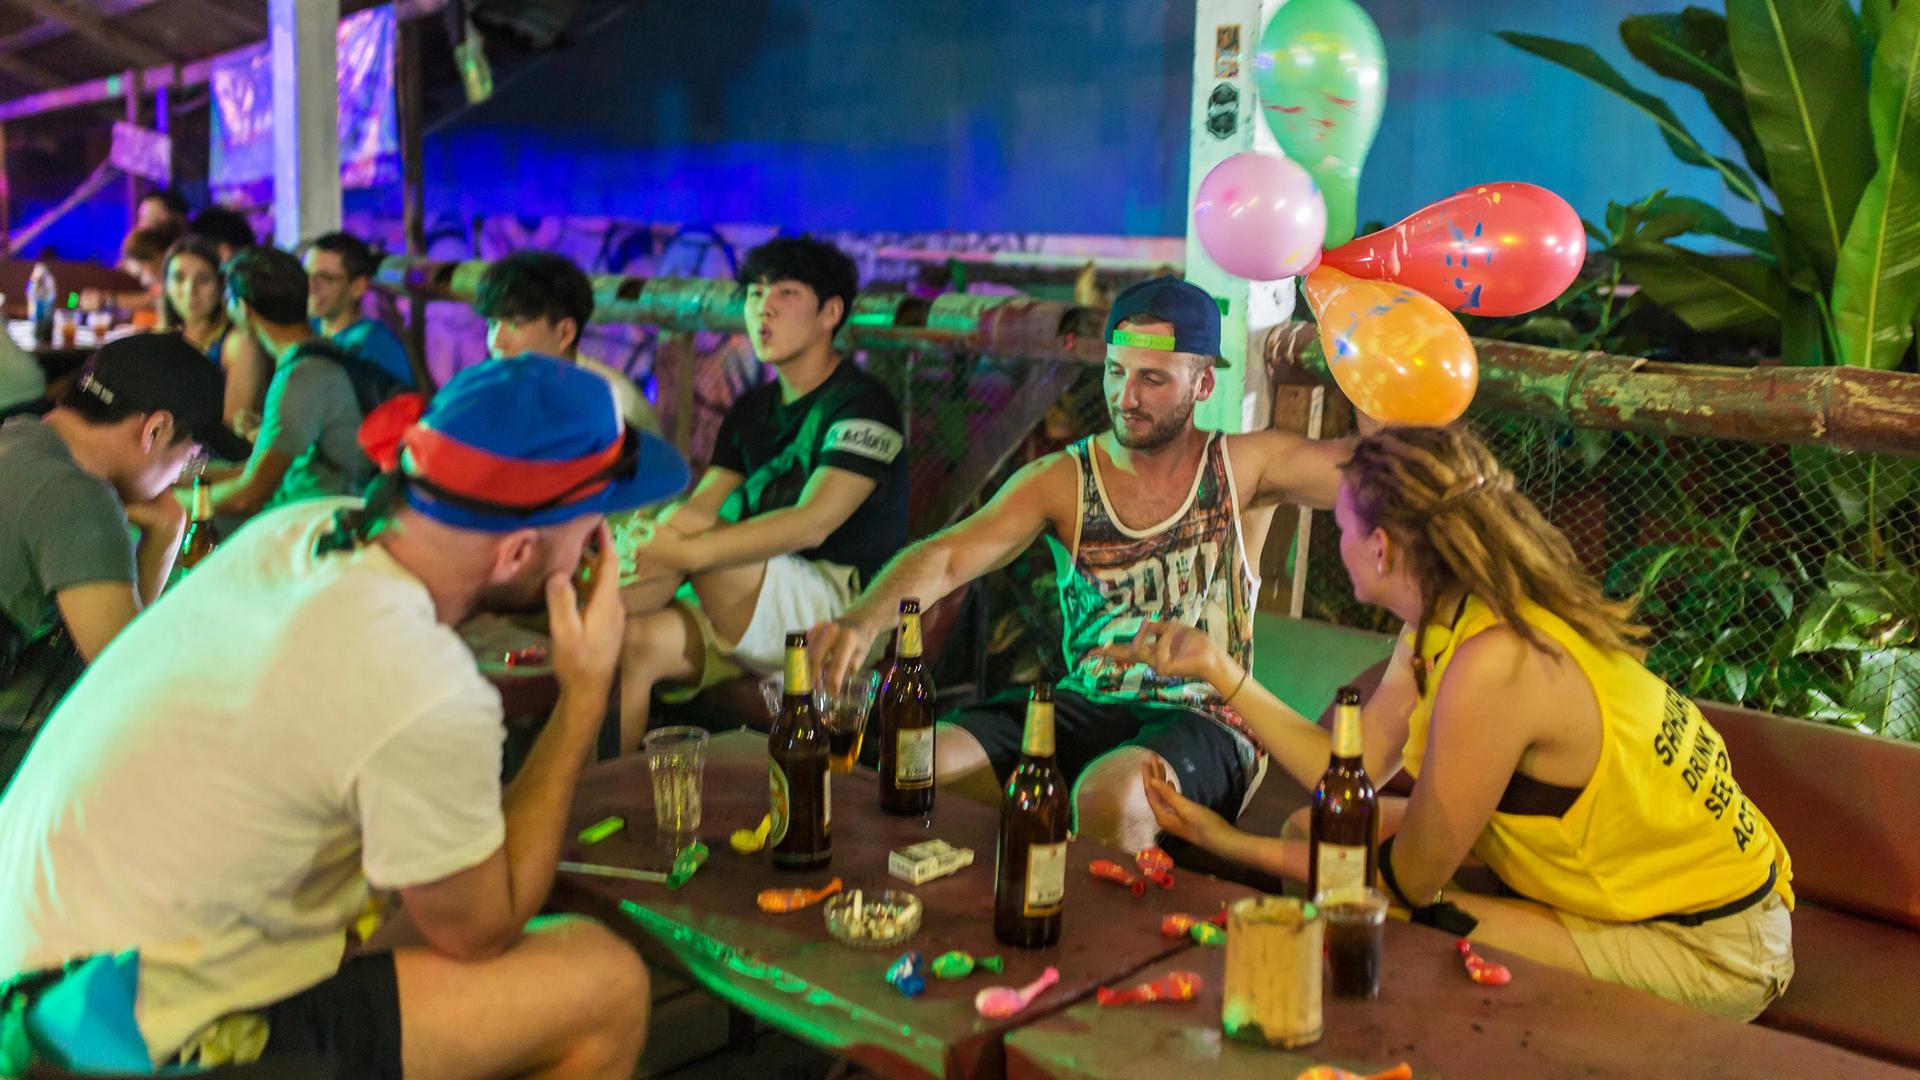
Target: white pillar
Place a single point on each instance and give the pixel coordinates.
(1226, 120)
(306, 124)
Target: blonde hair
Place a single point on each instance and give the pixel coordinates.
(1442, 496)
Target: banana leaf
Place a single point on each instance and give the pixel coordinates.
(1668, 216)
(1692, 48)
(1874, 16)
(1800, 64)
(1707, 292)
(1583, 61)
(1876, 287)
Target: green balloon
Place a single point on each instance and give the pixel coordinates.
(1322, 74)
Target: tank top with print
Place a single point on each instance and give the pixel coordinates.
(1191, 568)
(1661, 827)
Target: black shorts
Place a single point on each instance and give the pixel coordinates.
(350, 1023)
(1208, 759)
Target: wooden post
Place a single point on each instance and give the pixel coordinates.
(303, 42)
(406, 65)
(133, 117)
(6, 200)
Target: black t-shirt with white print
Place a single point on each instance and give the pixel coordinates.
(848, 422)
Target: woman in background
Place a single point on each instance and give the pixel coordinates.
(194, 303)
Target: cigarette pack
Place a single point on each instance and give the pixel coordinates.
(927, 860)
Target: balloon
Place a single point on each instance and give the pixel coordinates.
(1399, 356)
(1260, 217)
(1322, 74)
(1495, 249)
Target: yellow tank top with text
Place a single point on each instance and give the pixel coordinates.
(1661, 828)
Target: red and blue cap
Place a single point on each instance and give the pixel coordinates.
(521, 443)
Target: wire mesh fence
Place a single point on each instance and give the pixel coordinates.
(1782, 578)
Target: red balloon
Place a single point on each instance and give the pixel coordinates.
(1493, 249)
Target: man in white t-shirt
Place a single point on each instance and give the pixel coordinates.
(297, 728)
(538, 303)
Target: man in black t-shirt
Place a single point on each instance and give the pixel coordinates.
(804, 501)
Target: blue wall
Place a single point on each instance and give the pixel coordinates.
(1012, 115)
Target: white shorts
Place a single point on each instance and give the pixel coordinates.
(795, 595)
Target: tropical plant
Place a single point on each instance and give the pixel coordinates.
(1833, 139)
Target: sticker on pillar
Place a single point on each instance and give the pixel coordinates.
(1226, 51)
(1223, 111)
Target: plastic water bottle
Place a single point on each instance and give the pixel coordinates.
(41, 294)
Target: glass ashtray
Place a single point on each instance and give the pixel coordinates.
(873, 920)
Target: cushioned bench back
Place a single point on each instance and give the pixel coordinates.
(1847, 805)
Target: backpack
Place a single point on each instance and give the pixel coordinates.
(372, 384)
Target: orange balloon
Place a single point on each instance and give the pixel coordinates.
(1398, 355)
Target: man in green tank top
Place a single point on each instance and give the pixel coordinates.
(1152, 519)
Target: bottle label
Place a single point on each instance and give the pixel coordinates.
(1046, 879)
(910, 635)
(799, 676)
(779, 805)
(1038, 739)
(1340, 866)
(913, 758)
(826, 800)
(1347, 741)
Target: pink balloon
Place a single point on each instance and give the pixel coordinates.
(1260, 216)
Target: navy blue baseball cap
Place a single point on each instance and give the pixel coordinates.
(526, 442)
(1191, 309)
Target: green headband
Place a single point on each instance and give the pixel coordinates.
(1158, 342)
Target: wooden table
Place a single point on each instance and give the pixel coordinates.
(1546, 1023)
(785, 970)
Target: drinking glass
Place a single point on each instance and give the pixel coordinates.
(676, 759)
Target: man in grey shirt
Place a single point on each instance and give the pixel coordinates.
(104, 459)
(307, 445)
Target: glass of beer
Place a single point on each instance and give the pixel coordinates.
(844, 709)
(676, 759)
(1356, 918)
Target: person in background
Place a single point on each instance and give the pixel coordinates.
(340, 269)
(805, 498)
(162, 207)
(104, 458)
(307, 445)
(141, 256)
(228, 229)
(538, 302)
(1517, 699)
(194, 302)
(298, 734)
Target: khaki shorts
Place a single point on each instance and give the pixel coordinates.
(1733, 966)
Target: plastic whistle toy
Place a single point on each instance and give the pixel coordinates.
(959, 965)
(1180, 924)
(748, 841)
(1402, 1071)
(1108, 870)
(1179, 986)
(786, 901)
(1483, 971)
(1000, 1002)
(1156, 866)
(905, 976)
(1207, 934)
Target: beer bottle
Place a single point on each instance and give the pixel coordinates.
(1030, 867)
(1345, 822)
(906, 724)
(201, 535)
(799, 782)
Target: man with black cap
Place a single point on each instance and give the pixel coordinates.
(1153, 520)
(71, 575)
(299, 730)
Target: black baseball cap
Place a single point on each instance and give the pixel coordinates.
(1191, 309)
(150, 372)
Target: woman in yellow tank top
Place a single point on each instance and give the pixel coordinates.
(1540, 745)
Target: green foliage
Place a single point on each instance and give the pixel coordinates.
(1832, 160)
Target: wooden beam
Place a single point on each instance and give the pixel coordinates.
(32, 74)
(50, 30)
(95, 29)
